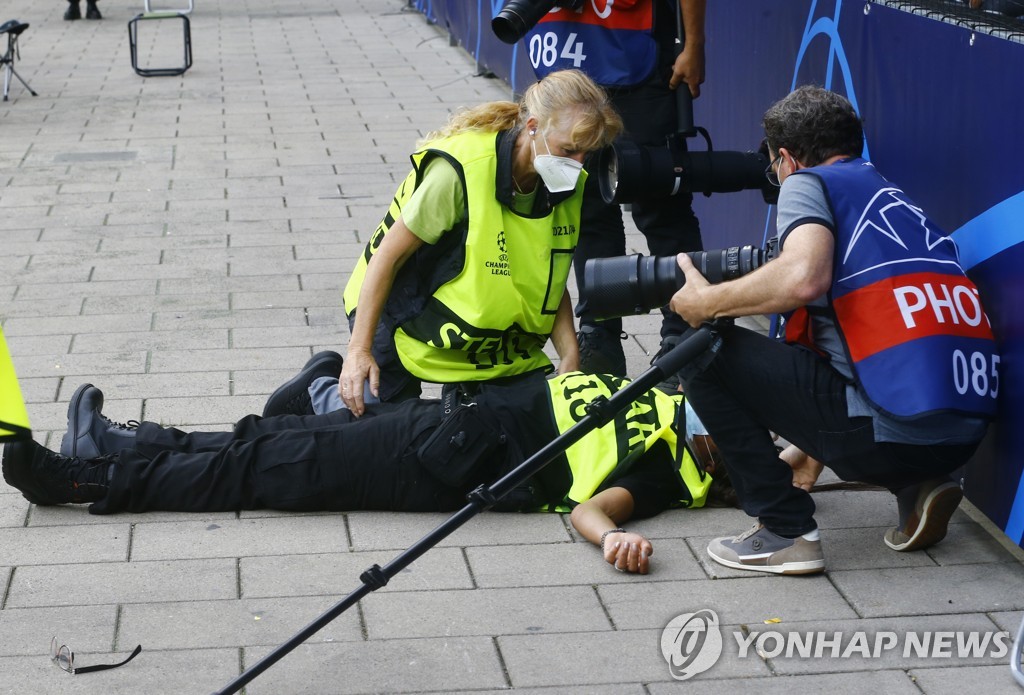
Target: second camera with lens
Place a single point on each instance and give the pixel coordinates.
(636, 284)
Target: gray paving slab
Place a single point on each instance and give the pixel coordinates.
(293, 535)
(739, 600)
(883, 643)
(28, 631)
(598, 658)
(123, 582)
(182, 243)
(958, 680)
(158, 671)
(14, 509)
(536, 610)
(234, 623)
(889, 682)
(379, 530)
(450, 664)
(68, 515)
(338, 573)
(932, 590)
(28, 547)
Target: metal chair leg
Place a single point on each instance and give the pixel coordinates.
(1015, 660)
(12, 71)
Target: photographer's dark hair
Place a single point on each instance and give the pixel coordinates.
(814, 124)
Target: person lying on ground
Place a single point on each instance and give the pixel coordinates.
(395, 457)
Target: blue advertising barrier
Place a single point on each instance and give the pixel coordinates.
(941, 106)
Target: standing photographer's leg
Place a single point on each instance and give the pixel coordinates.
(602, 235)
(668, 223)
(756, 386)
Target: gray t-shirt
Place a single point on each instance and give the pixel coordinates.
(801, 201)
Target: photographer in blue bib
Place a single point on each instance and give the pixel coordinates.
(419, 455)
(464, 280)
(889, 371)
(632, 48)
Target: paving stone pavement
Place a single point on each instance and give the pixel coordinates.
(181, 242)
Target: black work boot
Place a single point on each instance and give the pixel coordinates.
(45, 477)
(292, 397)
(74, 11)
(91, 11)
(601, 350)
(671, 383)
(90, 433)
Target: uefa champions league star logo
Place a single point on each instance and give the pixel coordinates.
(691, 643)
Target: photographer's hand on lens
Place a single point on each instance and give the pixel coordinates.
(359, 367)
(690, 301)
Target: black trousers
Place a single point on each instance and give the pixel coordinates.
(756, 385)
(669, 224)
(331, 462)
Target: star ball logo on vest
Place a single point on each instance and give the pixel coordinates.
(500, 266)
(692, 643)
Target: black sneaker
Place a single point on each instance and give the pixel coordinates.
(90, 433)
(45, 477)
(73, 12)
(91, 11)
(601, 351)
(292, 397)
(927, 522)
(763, 551)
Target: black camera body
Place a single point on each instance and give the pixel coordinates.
(636, 284)
(519, 16)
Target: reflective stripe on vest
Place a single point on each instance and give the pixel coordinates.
(608, 452)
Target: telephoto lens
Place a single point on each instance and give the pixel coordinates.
(636, 284)
(518, 17)
(627, 172)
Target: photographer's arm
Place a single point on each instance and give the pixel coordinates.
(563, 337)
(800, 274)
(629, 552)
(689, 64)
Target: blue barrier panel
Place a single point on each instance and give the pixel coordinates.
(941, 106)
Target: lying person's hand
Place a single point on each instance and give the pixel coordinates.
(805, 469)
(628, 552)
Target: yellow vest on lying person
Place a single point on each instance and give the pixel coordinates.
(607, 452)
(480, 304)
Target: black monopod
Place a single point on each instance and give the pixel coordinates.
(599, 412)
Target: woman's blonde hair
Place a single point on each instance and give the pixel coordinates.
(563, 96)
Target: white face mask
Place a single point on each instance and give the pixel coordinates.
(558, 173)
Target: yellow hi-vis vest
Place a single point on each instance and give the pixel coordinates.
(608, 452)
(481, 303)
(13, 417)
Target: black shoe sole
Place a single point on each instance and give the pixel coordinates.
(295, 391)
(17, 469)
